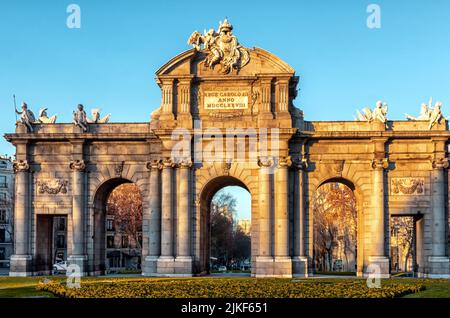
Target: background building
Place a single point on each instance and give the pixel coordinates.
(245, 225)
(6, 210)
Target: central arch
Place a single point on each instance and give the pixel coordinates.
(206, 196)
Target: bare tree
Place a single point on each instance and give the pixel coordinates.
(335, 225)
(125, 203)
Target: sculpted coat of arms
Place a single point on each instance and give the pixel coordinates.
(221, 47)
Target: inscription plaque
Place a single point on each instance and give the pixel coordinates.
(223, 100)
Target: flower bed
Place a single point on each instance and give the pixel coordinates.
(231, 288)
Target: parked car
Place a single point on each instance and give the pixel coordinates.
(222, 268)
(60, 267)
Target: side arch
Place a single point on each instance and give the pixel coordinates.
(98, 221)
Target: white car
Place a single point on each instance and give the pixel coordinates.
(60, 267)
(222, 268)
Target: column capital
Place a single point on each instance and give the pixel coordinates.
(185, 163)
(380, 164)
(77, 165)
(168, 163)
(266, 162)
(440, 163)
(284, 162)
(300, 163)
(21, 166)
(154, 164)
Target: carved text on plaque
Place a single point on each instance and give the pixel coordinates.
(223, 100)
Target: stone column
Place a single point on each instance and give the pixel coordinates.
(299, 260)
(78, 255)
(167, 101)
(283, 262)
(264, 259)
(154, 222)
(378, 255)
(184, 117)
(183, 261)
(166, 260)
(21, 260)
(439, 263)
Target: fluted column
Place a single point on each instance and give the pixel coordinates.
(299, 209)
(154, 246)
(378, 255)
(183, 261)
(300, 260)
(21, 214)
(265, 232)
(378, 206)
(78, 167)
(281, 208)
(438, 212)
(154, 219)
(167, 209)
(439, 260)
(183, 213)
(167, 111)
(78, 255)
(283, 261)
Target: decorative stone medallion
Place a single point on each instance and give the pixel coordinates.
(52, 186)
(407, 186)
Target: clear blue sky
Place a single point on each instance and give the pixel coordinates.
(110, 62)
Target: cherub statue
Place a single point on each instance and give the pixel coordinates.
(26, 117)
(96, 117)
(209, 38)
(196, 40)
(80, 118)
(44, 119)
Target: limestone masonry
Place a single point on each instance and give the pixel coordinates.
(393, 167)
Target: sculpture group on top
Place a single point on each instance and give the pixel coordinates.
(80, 119)
(222, 48)
(429, 113)
(28, 119)
(379, 113)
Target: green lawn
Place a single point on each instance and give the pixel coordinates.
(26, 287)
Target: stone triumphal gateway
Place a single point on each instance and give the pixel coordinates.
(218, 88)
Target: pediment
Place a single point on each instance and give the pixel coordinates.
(192, 63)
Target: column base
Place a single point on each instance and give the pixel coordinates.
(170, 266)
(267, 266)
(282, 266)
(165, 265)
(149, 267)
(183, 265)
(382, 264)
(20, 266)
(439, 267)
(80, 261)
(263, 267)
(300, 266)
